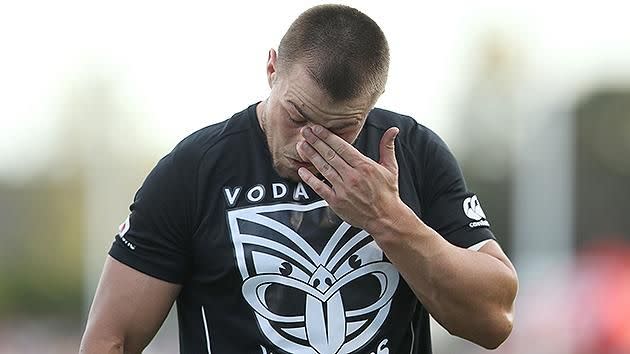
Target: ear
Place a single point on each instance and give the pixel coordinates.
(271, 67)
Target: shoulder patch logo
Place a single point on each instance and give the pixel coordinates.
(124, 227)
(316, 284)
(122, 230)
(472, 208)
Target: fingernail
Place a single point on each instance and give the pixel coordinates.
(317, 129)
(309, 136)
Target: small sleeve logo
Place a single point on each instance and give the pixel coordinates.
(124, 227)
(473, 210)
(122, 230)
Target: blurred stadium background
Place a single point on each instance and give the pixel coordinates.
(533, 97)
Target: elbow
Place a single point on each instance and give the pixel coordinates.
(94, 343)
(493, 315)
(497, 335)
(501, 322)
(497, 330)
(490, 333)
(491, 329)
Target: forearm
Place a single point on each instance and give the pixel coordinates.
(128, 309)
(470, 293)
(107, 336)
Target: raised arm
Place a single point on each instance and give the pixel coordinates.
(470, 293)
(128, 309)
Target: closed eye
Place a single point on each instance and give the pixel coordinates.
(343, 126)
(296, 121)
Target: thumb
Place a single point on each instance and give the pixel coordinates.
(386, 150)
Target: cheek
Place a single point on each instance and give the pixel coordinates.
(349, 136)
(285, 137)
(289, 132)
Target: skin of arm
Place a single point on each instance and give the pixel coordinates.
(470, 293)
(128, 309)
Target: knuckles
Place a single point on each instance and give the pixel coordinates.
(330, 155)
(353, 182)
(325, 169)
(367, 169)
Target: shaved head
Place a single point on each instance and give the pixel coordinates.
(344, 51)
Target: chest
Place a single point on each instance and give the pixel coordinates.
(271, 251)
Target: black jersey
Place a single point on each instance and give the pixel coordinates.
(266, 266)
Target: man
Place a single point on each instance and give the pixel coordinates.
(307, 223)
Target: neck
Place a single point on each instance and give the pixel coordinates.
(260, 114)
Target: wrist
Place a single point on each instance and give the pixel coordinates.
(395, 219)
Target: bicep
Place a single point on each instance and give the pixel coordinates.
(129, 306)
(493, 249)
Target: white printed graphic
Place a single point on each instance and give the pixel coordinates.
(472, 208)
(124, 227)
(307, 301)
(122, 230)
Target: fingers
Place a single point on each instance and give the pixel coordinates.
(330, 146)
(324, 166)
(318, 186)
(387, 151)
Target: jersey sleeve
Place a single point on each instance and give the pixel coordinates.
(155, 238)
(451, 209)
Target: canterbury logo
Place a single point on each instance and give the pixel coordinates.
(472, 208)
(328, 292)
(122, 230)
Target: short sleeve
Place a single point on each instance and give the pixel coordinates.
(155, 238)
(451, 209)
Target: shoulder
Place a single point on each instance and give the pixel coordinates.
(214, 137)
(413, 135)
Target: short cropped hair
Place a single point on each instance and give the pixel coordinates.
(343, 49)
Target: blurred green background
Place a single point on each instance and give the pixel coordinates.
(533, 98)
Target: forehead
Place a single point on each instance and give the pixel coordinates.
(304, 94)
